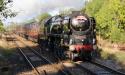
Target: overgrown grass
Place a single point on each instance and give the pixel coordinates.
(119, 56)
(104, 55)
(6, 52)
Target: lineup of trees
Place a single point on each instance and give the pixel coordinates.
(110, 18)
(109, 15)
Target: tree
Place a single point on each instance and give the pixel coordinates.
(66, 11)
(43, 16)
(93, 7)
(110, 18)
(1, 26)
(12, 26)
(5, 12)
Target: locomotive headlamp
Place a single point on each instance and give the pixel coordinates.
(82, 40)
(71, 48)
(94, 41)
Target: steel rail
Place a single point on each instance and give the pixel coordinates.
(107, 68)
(27, 59)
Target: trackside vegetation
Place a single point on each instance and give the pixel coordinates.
(110, 18)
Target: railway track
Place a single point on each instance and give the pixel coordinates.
(96, 68)
(39, 57)
(28, 59)
(92, 68)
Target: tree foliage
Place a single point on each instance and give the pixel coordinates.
(12, 26)
(66, 11)
(5, 12)
(43, 16)
(1, 26)
(110, 17)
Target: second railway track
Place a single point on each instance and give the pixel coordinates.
(34, 59)
(96, 68)
(28, 58)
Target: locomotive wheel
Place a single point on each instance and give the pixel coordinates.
(62, 54)
(93, 54)
(71, 56)
(86, 56)
(89, 56)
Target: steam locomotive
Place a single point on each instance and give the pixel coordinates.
(72, 36)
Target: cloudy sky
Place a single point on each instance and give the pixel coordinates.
(31, 8)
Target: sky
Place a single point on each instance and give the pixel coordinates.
(28, 9)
